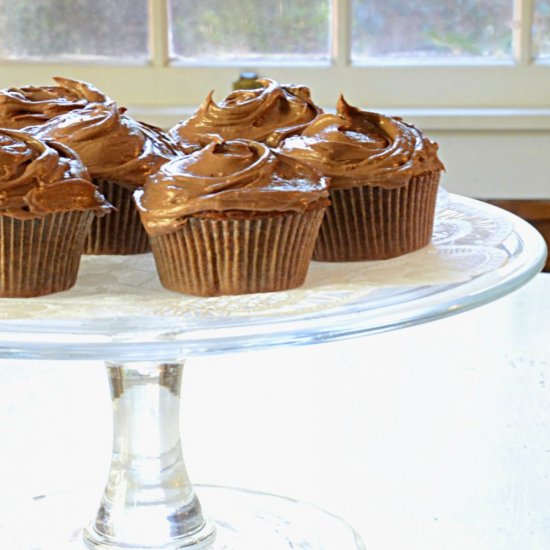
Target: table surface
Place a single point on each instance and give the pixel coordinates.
(433, 437)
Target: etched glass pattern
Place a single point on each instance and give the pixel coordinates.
(73, 28)
(421, 29)
(250, 29)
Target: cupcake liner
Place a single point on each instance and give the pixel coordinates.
(119, 232)
(373, 223)
(41, 255)
(218, 256)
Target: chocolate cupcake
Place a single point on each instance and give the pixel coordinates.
(35, 105)
(267, 114)
(232, 218)
(120, 153)
(47, 203)
(384, 176)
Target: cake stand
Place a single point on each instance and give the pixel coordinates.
(119, 313)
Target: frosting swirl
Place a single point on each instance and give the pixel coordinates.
(111, 144)
(267, 114)
(32, 105)
(38, 178)
(355, 147)
(230, 176)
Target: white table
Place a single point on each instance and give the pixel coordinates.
(435, 437)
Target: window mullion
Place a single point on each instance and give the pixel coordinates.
(159, 29)
(522, 36)
(341, 31)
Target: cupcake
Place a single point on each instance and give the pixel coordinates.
(267, 114)
(232, 218)
(384, 176)
(47, 203)
(35, 105)
(119, 153)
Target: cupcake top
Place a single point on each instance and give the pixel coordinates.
(38, 178)
(355, 147)
(33, 105)
(112, 145)
(267, 114)
(226, 177)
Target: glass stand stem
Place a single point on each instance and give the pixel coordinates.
(149, 501)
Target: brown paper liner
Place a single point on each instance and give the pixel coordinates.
(119, 232)
(41, 256)
(214, 257)
(373, 223)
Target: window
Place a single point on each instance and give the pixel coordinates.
(541, 30)
(250, 30)
(444, 30)
(383, 53)
(73, 30)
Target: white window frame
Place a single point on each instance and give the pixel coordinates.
(165, 86)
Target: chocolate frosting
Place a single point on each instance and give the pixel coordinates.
(38, 178)
(112, 145)
(267, 114)
(355, 147)
(33, 105)
(231, 176)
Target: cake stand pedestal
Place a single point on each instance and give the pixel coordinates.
(119, 313)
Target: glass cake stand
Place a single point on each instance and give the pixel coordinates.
(119, 313)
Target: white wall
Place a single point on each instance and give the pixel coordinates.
(497, 164)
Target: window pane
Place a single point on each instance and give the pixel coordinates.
(250, 29)
(431, 28)
(541, 30)
(47, 28)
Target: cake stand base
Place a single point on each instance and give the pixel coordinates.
(244, 520)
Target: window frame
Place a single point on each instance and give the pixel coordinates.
(162, 83)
